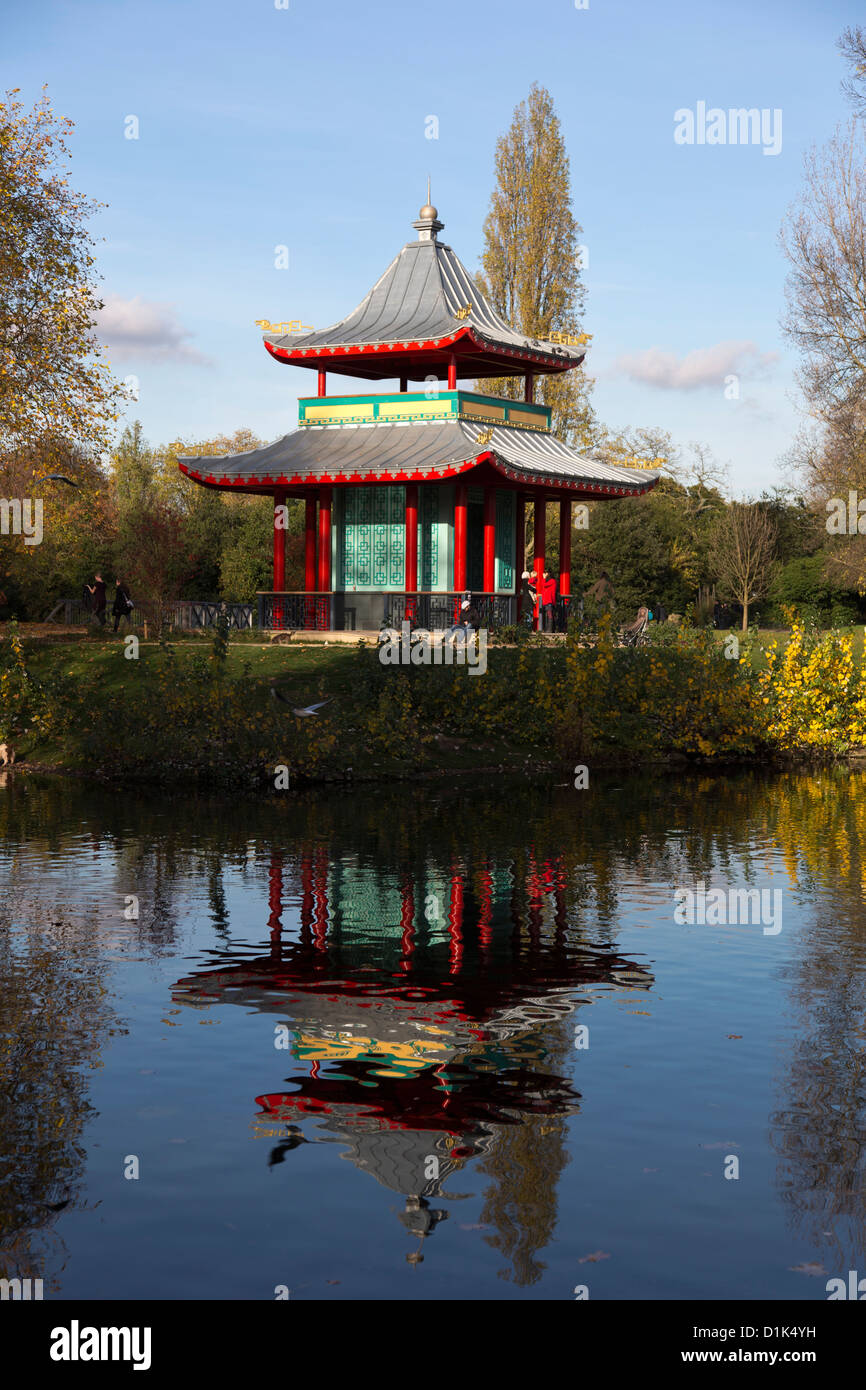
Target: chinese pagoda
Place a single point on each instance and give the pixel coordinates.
(416, 497)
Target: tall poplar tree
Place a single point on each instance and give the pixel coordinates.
(531, 268)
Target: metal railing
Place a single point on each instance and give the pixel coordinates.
(184, 614)
(298, 612)
(440, 611)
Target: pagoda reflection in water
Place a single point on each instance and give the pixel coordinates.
(427, 1009)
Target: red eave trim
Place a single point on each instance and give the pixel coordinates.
(524, 477)
(311, 357)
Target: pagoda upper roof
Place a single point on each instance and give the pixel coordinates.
(425, 307)
(419, 451)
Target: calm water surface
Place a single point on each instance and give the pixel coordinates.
(414, 1043)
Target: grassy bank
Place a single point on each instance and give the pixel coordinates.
(203, 711)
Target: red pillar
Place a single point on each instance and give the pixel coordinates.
(320, 900)
(489, 540)
(455, 924)
(322, 380)
(485, 932)
(407, 925)
(452, 372)
(310, 545)
(411, 577)
(324, 539)
(529, 387)
(279, 546)
(275, 901)
(460, 530)
(565, 546)
(540, 538)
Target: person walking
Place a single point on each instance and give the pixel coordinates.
(123, 605)
(97, 591)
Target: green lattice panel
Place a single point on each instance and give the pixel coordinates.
(505, 539)
(372, 541)
(396, 537)
(428, 512)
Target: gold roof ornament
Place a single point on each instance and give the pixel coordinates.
(568, 339)
(464, 312)
(292, 326)
(484, 437)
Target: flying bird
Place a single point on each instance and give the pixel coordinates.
(300, 713)
(57, 478)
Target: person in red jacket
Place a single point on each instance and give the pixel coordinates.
(548, 601)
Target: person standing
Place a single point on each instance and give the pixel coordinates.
(527, 600)
(123, 605)
(97, 590)
(548, 601)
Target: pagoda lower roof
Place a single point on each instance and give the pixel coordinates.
(416, 452)
(425, 307)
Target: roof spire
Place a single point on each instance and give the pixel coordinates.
(428, 223)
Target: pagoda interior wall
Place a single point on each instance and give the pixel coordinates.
(368, 541)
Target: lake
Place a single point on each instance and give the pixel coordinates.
(433, 1041)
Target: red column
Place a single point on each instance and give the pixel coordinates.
(310, 545)
(529, 387)
(485, 932)
(279, 546)
(322, 380)
(407, 925)
(565, 546)
(460, 505)
(452, 372)
(540, 538)
(520, 540)
(324, 539)
(306, 894)
(320, 900)
(489, 540)
(455, 924)
(411, 576)
(275, 901)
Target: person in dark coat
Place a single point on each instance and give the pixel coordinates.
(97, 591)
(122, 606)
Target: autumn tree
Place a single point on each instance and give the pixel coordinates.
(742, 551)
(853, 48)
(55, 389)
(531, 269)
(825, 242)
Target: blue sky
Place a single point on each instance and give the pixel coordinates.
(305, 127)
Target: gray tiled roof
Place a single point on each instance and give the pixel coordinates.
(417, 299)
(401, 452)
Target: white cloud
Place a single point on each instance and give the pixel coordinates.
(145, 331)
(699, 368)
